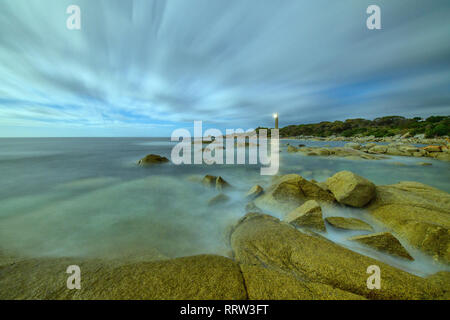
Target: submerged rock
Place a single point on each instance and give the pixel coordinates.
(418, 213)
(209, 181)
(215, 182)
(219, 199)
(265, 241)
(254, 192)
(384, 241)
(221, 184)
(291, 149)
(251, 207)
(351, 189)
(424, 164)
(307, 215)
(349, 223)
(152, 159)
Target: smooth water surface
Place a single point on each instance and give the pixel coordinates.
(88, 197)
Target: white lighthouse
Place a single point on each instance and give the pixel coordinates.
(275, 116)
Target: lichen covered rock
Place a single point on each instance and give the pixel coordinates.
(351, 189)
(265, 241)
(273, 284)
(441, 279)
(348, 223)
(385, 242)
(308, 215)
(417, 213)
(290, 191)
(197, 277)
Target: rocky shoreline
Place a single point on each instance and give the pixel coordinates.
(359, 149)
(404, 139)
(272, 258)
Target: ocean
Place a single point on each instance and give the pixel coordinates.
(87, 197)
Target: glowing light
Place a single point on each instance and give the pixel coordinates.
(275, 115)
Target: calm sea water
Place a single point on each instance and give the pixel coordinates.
(87, 197)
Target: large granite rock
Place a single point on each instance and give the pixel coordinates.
(351, 189)
(348, 223)
(197, 277)
(385, 242)
(307, 215)
(418, 213)
(290, 191)
(7, 259)
(265, 241)
(271, 284)
(441, 279)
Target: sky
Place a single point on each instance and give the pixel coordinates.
(145, 68)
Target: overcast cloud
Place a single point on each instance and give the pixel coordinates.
(145, 68)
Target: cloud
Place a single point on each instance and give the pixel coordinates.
(163, 64)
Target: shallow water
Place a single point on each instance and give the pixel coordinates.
(87, 197)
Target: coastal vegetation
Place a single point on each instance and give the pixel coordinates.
(434, 126)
